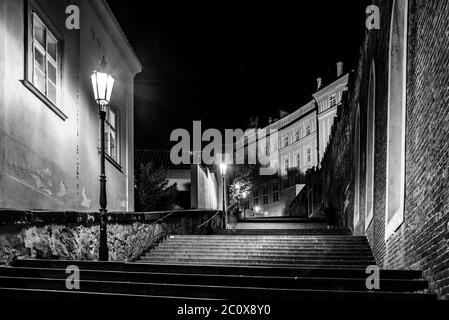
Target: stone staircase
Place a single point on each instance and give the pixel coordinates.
(325, 265)
(315, 251)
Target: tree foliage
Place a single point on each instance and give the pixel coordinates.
(246, 177)
(153, 189)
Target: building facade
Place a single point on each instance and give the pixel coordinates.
(49, 124)
(327, 100)
(386, 169)
(301, 136)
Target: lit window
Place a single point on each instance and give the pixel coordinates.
(45, 60)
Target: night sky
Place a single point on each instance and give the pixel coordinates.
(222, 62)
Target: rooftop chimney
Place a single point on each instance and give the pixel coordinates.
(319, 83)
(339, 68)
(282, 113)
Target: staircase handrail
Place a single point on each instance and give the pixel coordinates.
(218, 211)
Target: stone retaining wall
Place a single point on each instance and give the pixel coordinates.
(74, 235)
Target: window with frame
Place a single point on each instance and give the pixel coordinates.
(45, 59)
(308, 128)
(255, 194)
(308, 155)
(265, 199)
(333, 100)
(298, 159)
(275, 192)
(285, 141)
(256, 202)
(246, 205)
(111, 137)
(297, 135)
(285, 168)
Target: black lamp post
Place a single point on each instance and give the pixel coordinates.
(102, 84)
(223, 168)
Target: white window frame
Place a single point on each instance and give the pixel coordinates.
(36, 46)
(109, 130)
(33, 13)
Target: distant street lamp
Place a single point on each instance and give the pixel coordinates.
(223, 168)
(102, 84)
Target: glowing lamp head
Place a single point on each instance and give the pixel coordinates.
(223, 168)
(102, 84)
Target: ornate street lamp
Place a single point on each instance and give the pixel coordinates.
(223, 168)
(102, 84)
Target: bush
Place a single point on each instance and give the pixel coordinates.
(153, 189)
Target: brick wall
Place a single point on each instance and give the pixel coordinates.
(422, 241)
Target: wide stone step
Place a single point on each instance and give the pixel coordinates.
(272, 237)
(273, 256)
(386, 285)
(266, 241)
(222, 270)
(357, 251)
(317, 232)
(280, 225)
(205, 291)
(262, 251)
(262, 243)
(256, 260)
(209, 246)
(72, 296)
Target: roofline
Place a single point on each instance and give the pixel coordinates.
(322, 91)
(117, 34)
